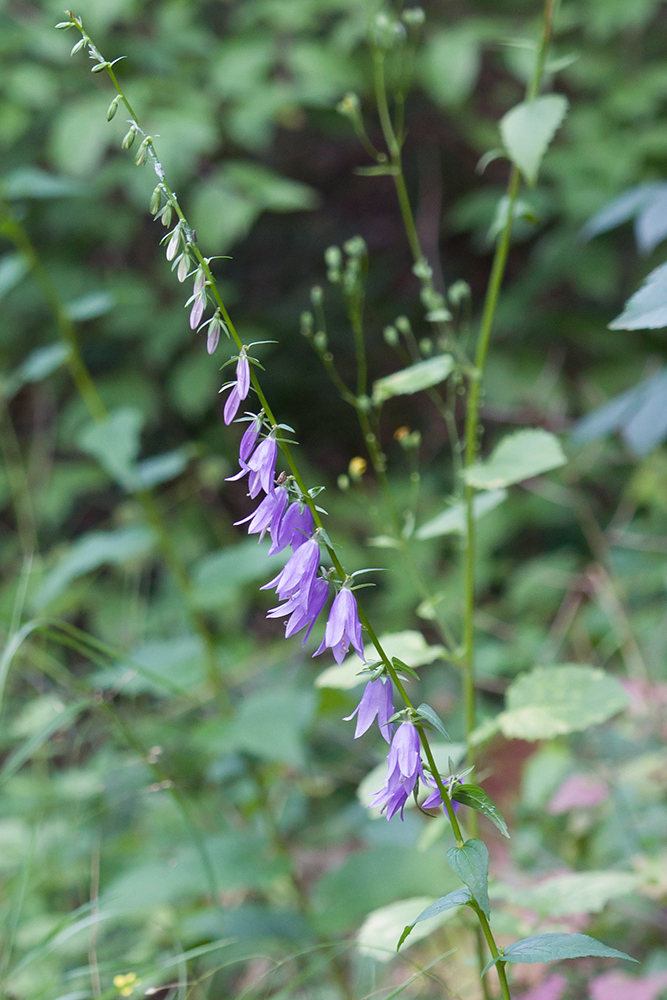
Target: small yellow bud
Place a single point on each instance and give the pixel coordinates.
(357, 467)
(400, 433)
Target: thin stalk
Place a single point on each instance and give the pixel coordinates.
(472, 422)
(493, 948)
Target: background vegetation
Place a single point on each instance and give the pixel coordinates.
(184, 811)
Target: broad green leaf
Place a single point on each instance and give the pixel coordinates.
(449, 63)
(471, 864)
(220, 577)
(29, 182)
(114, 442)
(90, 306)
(422, 375)
(517, 457)
(13, 269)
(528, 128)
(270, 724)
(647, 308)
(555, 947)
(449, 902)
(476, 798)
(409, 646)
(578, 892)
(90, 552)
(432, 717)
(39, 364)
(453, 520)
(553, 701)
(161, 667)
(161, 468)
(378, 934)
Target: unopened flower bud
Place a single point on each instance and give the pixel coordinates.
(423, 269)
(316, 295)
(349, 106)
(113, 108)
(458, 292)
(413, 17)
(174, 243)
(343, 482)
(307, 324)
(355, 247)
(78, 46)
(357, 467)
(403, 324)
(100, 67)
(183, 267)
(62, 25)
(141, 155)
(387, 31)
(390, 335)
(166, 216)
(154, 204)
(320, 340)
(333, 258)
(426, 347)
(129, 138)
(400, 433)
(200, 281)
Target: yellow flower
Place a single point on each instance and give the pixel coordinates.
(126, 983)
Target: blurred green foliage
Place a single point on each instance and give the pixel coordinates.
(142, 830)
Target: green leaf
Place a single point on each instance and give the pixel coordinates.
(161, 468)
(422, 375)
(453, 520)
(377, 935)
(647, 308)
(114, 442)
(38, 739)
(575, 893)
(90, 552)
(453, 899)
(270, 725)
(219, 577)
(28, 182)
(528, 129)
(170, 666)
(13, 269)
(427, 713)
(555, 947)
(517, 457)
(90, 306)
(553, 701)
(409, 646)
(476, 798)
(449, 63)
(38, 365)
(471, 864)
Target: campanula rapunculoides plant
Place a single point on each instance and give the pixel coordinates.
(313, 573)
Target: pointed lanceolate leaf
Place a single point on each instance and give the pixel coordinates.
(554, 947)
(476, 798)
(517, 457)
(471, 864)
(528, 129)
(457, 898)
(427, 713)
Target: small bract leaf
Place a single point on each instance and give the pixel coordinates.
(471, 864)
(430, 716)
(517, 457)
(449, 902)
(476, 798)
(528, 129)
(422, 375)
(555, 947)
(553, 701)
(409, 646)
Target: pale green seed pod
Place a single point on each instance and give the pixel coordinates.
(113, 108)
(156, 197)
(129, 138)
(78, 46)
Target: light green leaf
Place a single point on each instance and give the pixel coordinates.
(270, 725)
(450, 63)
(29, 182)
(413, 379)
(555, 947)
(471, 864)
(578, 892)
(553, 701)
(39, 364)
(220, 577)
(647, 308)
(517, 457)
(90, 552)
(90, 306)
(161, 667)
(409, 646)
(528, 128)
(380, 930)
(13, 269)
(115, 442)
(449, 902)
(453, 520)
(161, 468)
(476, 798)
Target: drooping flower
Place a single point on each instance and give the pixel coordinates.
(240, 387)
(302, 612)
(262, 465)
(377, 700)
(270, 511)
(249, 439)
(298, 574)
(295, 528)
(343, 627)
(243, 374)
(404, 768)
(232, 405)
(434, 800)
